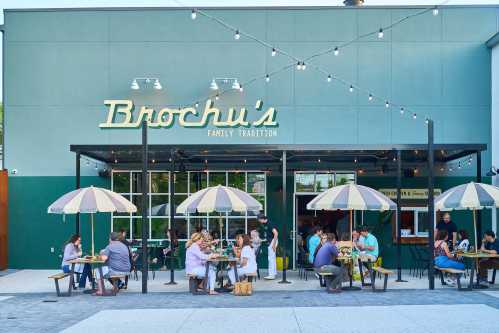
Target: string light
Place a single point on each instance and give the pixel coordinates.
(240, 87)
(370, 97)
(329, 78)
(401, 110)
(196, 105)
(351, 88)
(216, 97)
(414, 116)
(435, 11)
(380, 33)
(387, 104)
(298, 66)
(267, 78)
(336, 49)
(193, 14)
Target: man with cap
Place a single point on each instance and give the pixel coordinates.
(269, 234)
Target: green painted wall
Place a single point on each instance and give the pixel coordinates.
(32, 232)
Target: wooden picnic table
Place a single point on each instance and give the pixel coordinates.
(94, 261)
(475, 257)
(217, 261)
(347, 263)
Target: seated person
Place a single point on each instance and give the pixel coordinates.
(490, 244)
(72, 250)
(117, 260)
(247, 259)
(368, 245)
(463, 244)
(443, 257)
(313, 242)
(195, 261)
(324, 263)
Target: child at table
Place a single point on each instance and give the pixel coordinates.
(72, 250)
(247, 259)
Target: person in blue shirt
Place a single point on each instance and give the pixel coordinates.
(324, 263)
(369, 245)
(313, 242)
(490, 245)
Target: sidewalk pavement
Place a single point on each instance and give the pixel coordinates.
(36, 281)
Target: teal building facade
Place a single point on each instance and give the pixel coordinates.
(62, 65)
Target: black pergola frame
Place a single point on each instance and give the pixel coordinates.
(277, 154)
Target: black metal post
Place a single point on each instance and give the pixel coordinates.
(399, 217)
(431, 206)
(145, 210)
(479, 212)
(78, 177)
(171, 180)
(284, 219)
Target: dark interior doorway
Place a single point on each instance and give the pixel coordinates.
(330, 221)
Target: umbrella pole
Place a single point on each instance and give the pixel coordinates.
(351, 227)
(92, 224)
(474, 227)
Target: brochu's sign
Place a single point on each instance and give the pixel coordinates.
(121, 115)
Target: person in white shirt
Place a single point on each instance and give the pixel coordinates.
(464, 242)
(247, 259)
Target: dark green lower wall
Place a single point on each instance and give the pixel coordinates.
(33, 232)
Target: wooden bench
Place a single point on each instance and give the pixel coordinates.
(114, 281)
(56, 278)
(249, 276)
(194, 281)
(452, 271)
(383, 271)
(324, 279)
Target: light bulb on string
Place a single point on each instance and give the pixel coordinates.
(414, 116)
(329, 78)
(380, 33)
(435, 11)
(370, 97)
(88, 163)
(217, 97)
(387, 104)
(274, 52)
(241, 88)
(298, 66)
(237, 35)
(336, 51)
(193, 14)
(267, 78)
(303, 66)
(351, 88)
(96, 166)
(459, 165)
(196, 104)
(402, 110)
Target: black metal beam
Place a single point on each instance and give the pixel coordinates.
(479, 212)
(78, 178)
(431, 205)
(284, 218)
(399, 217)
(145, 222)
(171, 180)
(280, 147)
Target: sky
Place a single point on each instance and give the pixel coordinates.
(4, 4)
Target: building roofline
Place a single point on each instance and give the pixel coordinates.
(493, 41)
(239, 8)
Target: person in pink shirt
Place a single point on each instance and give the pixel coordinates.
(195, 261)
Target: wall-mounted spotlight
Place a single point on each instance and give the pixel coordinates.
(225, 81)
(146, 82)
(492, 172)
